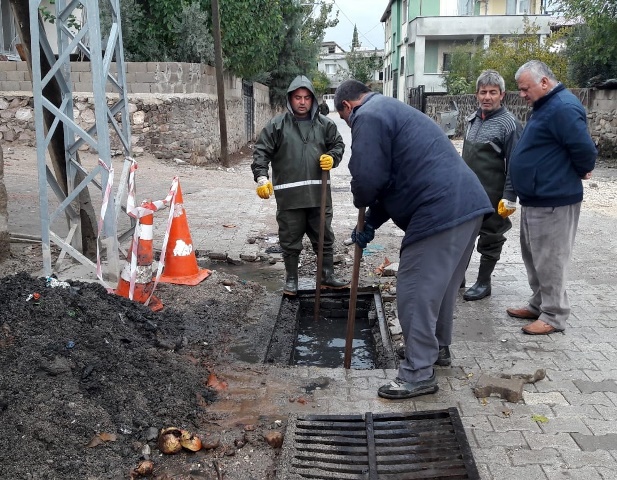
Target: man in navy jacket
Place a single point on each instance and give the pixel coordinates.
(553, 155)
(404, 168)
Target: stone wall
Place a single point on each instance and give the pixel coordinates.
(173, 108)
(601, 108)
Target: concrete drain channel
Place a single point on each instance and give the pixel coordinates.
(388, 446)
(298, 339)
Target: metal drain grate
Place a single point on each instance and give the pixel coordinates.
(386, 446)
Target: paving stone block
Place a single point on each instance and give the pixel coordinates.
(538, 441)
(510, 389)
(591, 387)
(556, 472)
(549, 398)
(218, 256)
(523, 424)
(527, 472)
(601, 427)
(544, 456)
(583, 411)
(597, 398)
(505, 439)
(565, 425)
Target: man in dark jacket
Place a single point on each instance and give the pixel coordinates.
(299, 144)
(323, 107)
(553, 155)
(492, 133)
(405, 168)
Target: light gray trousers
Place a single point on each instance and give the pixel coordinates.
(547, 239)
(429, 276)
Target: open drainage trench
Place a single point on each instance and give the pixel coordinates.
(300, 339)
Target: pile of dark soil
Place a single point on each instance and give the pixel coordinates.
(88, 379)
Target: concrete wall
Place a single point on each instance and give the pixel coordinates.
(173, 108)
(601, 108)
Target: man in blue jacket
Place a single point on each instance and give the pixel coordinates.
(553, 155)
(405, 168)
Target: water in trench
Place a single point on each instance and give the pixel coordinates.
(322, 342)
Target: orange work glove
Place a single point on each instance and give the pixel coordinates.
(264, 187)
(506, 208)
(326, 162)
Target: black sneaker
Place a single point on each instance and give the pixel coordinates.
(443, 359)
(398, 389)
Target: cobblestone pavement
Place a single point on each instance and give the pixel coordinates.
(565, 426)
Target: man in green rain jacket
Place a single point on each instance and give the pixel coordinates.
(299, 144)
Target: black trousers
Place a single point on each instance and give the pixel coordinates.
(293, 224)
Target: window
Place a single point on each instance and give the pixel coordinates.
(522, 7)
(330, 68)
(8, 36)
(381, 75)
(402, 66)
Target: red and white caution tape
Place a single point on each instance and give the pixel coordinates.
(171, 200)
(108, 187)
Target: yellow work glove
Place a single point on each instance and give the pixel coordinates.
(506, 208)
(264, 187)
(326, 162)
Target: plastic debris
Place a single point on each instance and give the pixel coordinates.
(33, 296)
(54, 282)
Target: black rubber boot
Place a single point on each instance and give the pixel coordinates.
(482, 287)
(327, 274)
(291, 275)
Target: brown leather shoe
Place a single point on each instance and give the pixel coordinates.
(539, 328)
(521, 313)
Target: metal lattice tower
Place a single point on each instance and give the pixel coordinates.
(87, 40)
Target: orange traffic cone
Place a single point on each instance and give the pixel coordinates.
(143, 277)
(180, 261)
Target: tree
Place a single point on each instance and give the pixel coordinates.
(321, 82)
(299, 54)
(506, 55)
(591, 46)
(252, 35)
(197, 45)
(355, 43)
(362, 65)
(177, 30)
(464, 68)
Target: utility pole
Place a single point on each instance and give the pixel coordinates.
(220, 87)
(58, 132)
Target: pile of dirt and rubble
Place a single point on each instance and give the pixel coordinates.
(89, 379)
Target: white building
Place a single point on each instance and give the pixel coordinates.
(421, 34)
(333, 62)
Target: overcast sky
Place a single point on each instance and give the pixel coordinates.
(366, 15)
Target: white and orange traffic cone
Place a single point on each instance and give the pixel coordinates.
(142, 271)
(180, 260)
